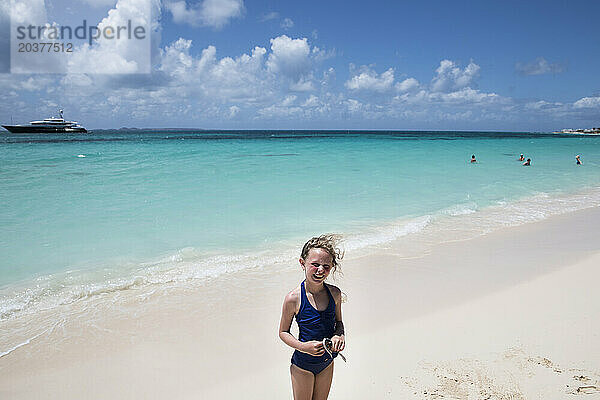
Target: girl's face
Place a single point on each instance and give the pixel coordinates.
(317, 265)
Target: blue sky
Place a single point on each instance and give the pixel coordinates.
(234, 64)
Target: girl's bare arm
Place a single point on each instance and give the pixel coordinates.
(290, 305)
(338, 339)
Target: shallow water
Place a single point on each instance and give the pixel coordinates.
(85, 215)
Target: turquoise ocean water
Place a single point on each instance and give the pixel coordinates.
(82, 214)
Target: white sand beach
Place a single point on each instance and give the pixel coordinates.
(510, 315)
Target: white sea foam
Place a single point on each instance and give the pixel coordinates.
(187, 266)
(190, 266)
(15, 347)
(461, 209)
(387, 233)
(29, 340)
(2, 354)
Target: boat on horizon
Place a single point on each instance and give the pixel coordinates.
(48, 125)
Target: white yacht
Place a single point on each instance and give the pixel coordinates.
(48, 125)
(594, 131)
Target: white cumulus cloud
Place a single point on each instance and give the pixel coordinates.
(587, 102)
(407, 85)
(353, 105)
(450, 77)
(233, 111)
(370, 80)
(289, 57)
(214, 13)
(289, 100)
(35, 83)
(209, 78)
(542, 105)
(123, 55)
(466, 95)
(303, 85)
(287, 23)
(176, 57)
(539, 67)
(26, 11)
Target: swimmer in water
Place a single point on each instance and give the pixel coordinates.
(527, 163)
(473, 160)
(578, 160)
(521, 158)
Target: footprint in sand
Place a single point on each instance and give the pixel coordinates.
(587, 386)
(586, 389)
(494, 380)
(544, 362)
(582, 378)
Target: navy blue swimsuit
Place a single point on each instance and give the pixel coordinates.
(314, 325)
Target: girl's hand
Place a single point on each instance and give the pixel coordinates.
(313, 347)
(338, 342)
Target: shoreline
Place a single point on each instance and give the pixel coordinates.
(410, 237)
(195, 341)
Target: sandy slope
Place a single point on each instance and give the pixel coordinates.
(512, 315)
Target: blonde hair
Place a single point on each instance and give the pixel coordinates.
(328, 242)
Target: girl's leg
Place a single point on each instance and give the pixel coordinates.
(302, 383)
(323, 383)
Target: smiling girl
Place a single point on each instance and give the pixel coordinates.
(317, 307)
